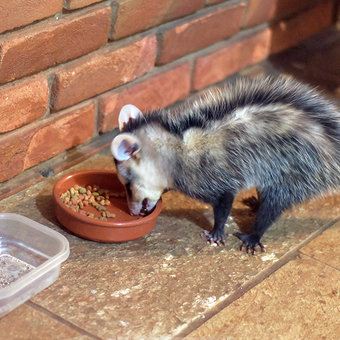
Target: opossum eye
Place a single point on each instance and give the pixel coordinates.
(125, 146)
(126, 113)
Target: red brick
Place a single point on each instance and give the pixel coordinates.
(150, 13)
(260, 11)
(217, 66)
(102, 71)
(49, 43)
(59, 133)
(155, 92)
(201, 32)
(37, 142)
(286, 34)
(17, 13)
(13, 147)
(23, 102)
(74, 4)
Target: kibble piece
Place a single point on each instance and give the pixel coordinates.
(75, 208)
(82, 190)
(110, 215)
(74, 201)
(72, 192)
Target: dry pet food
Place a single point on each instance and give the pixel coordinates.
(77, 198)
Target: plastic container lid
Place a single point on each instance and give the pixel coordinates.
(30, 258)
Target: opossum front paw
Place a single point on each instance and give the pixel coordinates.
(214, 237)
(250, 242)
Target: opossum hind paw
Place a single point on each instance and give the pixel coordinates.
(214, 238)
(250, 242)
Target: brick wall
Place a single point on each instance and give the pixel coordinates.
(67, 67)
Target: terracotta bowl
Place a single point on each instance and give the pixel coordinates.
(121, 228)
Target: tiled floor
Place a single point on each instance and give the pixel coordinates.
(172, 284)
(301, 300)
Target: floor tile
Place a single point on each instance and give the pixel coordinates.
(26, 323)
(299, 301)
(326, 247)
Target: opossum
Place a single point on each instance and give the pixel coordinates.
(272, 133)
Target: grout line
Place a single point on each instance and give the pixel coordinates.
(252, 283)
(61, 320)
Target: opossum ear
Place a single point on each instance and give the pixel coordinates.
(125, 146)
(126, 113)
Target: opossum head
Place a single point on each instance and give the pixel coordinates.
(137, 169)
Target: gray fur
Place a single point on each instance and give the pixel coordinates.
(274, 134)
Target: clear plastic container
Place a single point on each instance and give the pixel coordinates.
(30, 258)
